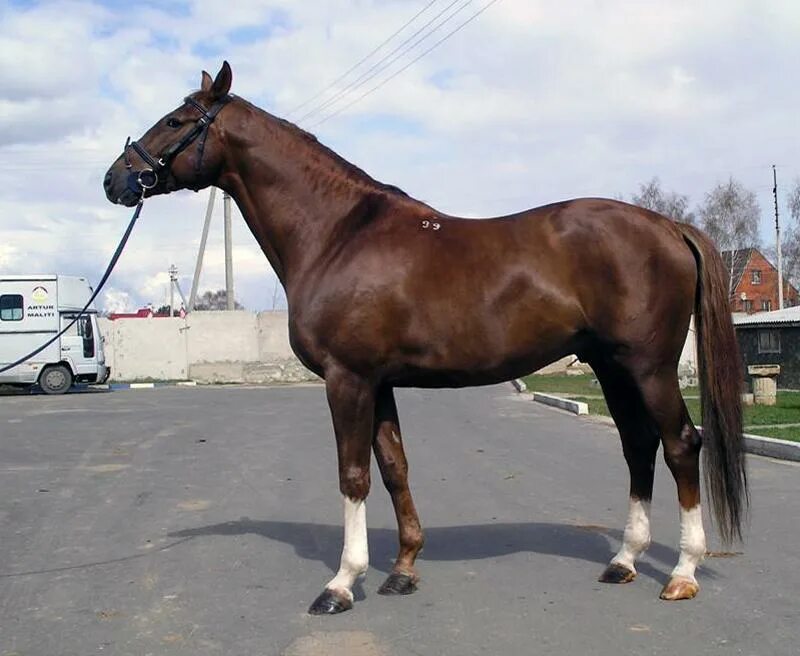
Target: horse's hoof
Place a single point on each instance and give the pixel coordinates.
(616, 573)
(679, 587)
(330, 602)
(398, 584)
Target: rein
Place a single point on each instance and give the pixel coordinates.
(103, 280)
(147, 178)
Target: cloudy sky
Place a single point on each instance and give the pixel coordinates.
(531, 102)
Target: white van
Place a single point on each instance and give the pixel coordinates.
(32, 310)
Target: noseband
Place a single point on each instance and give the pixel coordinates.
(147, 178)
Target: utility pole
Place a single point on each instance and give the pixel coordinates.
(173, 285)
(173, 280)
(203, 239)
(778, 238)
(180, 291)
(226, 204)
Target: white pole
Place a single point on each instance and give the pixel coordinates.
(171, 290)
(226, 204)
(203, 239)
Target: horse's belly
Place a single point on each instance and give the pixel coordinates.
(482, 355)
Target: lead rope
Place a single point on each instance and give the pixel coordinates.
(103, 280)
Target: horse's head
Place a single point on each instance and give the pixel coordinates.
(183, 150)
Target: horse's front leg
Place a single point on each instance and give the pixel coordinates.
(388, 446)
(352, 403)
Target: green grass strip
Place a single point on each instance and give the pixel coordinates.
(582, 388)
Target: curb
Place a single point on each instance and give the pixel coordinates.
(114, 387)
(519, 385)
(756, 444)
(575, 407)
(772, 447)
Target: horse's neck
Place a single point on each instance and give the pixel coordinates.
(292, 227)
(299, 199)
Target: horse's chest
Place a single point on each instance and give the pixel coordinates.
(306, 347)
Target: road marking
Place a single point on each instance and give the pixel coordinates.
(194, 505)
(104, 469)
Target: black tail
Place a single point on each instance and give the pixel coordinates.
(721, 378)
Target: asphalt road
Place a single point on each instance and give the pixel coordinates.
(205, 520)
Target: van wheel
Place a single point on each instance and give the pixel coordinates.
(55, 379)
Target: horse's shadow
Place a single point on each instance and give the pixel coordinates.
(322, 542)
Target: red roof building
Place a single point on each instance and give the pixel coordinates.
(754, 282)
(144, 313)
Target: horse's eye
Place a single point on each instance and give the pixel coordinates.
(173, 123)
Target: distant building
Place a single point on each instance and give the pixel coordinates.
(148, 313)
(772, 338)
(144, 313)
(755, 282)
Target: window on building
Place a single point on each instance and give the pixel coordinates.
(11, 307)
(766, 305)
(747, 305)
(756, 277)
(769, 341)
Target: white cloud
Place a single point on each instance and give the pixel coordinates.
(531, 103)
(117, 300)
(6, 255)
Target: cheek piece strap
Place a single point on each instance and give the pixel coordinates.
(147, 178)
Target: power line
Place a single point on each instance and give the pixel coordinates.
(368, 74)
(409, 64)
(382, 63)
(363, 59)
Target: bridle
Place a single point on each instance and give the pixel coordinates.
(147, 178)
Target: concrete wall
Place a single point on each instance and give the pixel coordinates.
(209, 347)
(242, 347)
(145, 349)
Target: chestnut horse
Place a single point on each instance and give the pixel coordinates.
(384, 291)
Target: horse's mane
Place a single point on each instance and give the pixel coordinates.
(350, 169)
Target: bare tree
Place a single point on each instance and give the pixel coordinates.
(730, 216)
(669, 203)
(217, 300)
(163, 311)
(790, 243)
(793, 200)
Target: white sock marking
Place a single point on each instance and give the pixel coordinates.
(693, 543)
(355, 554)
(637, 534)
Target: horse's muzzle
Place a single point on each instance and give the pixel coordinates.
(138, 182)
(122, 188)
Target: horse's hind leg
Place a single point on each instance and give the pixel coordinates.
(682, 445)
(388, 447)
(662, 397)
(669, 419)
(639, 444)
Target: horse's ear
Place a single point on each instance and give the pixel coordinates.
(222, 83)
(206, 82)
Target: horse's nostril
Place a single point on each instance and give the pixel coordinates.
(107, 180)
